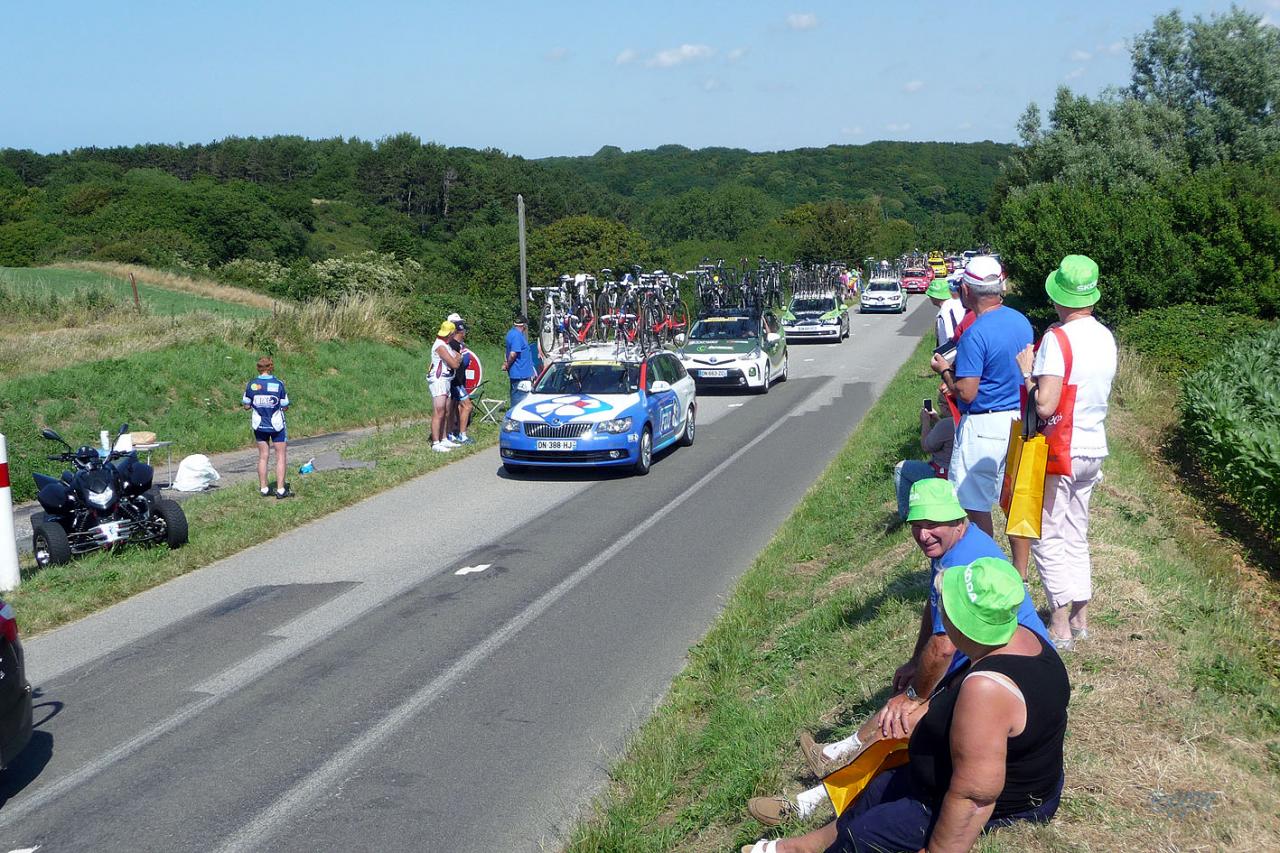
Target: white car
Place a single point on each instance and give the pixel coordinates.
(883, 294)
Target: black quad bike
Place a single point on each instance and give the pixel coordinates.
(100, 504)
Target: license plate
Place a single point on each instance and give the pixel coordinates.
(111, 530)
(556, 444)
(713, 374)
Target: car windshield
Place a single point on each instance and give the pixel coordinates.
(813, 304)
(723, 329)
(589, 377)
(883, 285)
(914, 273)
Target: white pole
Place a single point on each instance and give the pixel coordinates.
(9, 577)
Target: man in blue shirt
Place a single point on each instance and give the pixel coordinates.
(986, 383)
(519, 361)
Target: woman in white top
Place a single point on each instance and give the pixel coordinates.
(443, 362)
(1072, 372)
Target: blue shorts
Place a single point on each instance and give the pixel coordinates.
(271, 437)
(459, 392)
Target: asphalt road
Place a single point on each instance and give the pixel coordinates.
(344, 687)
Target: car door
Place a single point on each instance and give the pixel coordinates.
(775, 348)
(683, 385)
(662, 405)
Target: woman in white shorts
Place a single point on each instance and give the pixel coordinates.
(443, 362)
(1072, 371)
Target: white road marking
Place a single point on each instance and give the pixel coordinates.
(37, 847)
(736, 405)
(808, 359)
(253, 835)
(466, 570)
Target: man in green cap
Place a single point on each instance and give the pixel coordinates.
(950, 309)
(943, 532)
(1072, 373)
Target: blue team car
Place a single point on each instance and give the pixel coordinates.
(600, 406)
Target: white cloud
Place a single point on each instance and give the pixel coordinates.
(856, 130)
(711, 84)
(626, 56)
(894, 127)
(965, 125)
(1081, 55)
(736, 54)
(802, 21)
(913, 86)
(680, 55)
(556, 54)
(1074, 73)
(1115, 48)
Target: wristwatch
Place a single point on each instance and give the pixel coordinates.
(912, 694)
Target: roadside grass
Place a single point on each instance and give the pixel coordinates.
(1174, 738)
(225, 521)
(190, 394)
(178, 295)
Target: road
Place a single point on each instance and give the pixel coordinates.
(347, 686)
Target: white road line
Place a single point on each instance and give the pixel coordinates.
(253, 835)
(466, 570)
(808, 359)
(736, 405)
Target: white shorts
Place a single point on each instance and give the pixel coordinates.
(977, 459)
(439, 387)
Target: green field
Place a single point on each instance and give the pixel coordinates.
(155, 300)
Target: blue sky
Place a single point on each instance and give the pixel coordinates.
(547, 78)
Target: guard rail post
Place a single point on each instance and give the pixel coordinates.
(9, 577)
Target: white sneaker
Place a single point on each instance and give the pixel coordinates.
(447, 444)
(440, 447)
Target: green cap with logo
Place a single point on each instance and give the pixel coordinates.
(1074, 283)
(938, 289)
(933, 499)
(982, 599)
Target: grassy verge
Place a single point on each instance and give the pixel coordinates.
(224, 522)
(1174, 740)
(161, 297)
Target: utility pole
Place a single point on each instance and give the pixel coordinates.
(524, 281)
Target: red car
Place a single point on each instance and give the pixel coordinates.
(916, 279)
(15, 691)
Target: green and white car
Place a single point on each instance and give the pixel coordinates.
(736, 349)
(816, 317)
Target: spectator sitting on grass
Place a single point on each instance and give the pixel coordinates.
(265, 398)
(988, 751)
(936, 436)
(943, 532)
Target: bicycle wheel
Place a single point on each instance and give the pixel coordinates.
(547, 328)
(651, 321)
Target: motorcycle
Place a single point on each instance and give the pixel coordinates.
(102, 502)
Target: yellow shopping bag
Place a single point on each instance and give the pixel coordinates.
(844, 785)
(1022, 493)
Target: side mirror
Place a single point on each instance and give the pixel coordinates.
(680, 339)
(659, 386)
(123, 429)
(50, 435)
(773, 337)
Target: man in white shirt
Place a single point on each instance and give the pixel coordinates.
(950, 309)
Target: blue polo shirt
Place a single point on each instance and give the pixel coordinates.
(974, 544)
(989, 350)
(522, 367)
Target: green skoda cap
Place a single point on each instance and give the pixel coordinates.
(938, 289)
(982, 599)
(934, 499)
(1074, 283)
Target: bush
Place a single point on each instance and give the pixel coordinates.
(1180, 339)
(1231, 416)
(487, 317)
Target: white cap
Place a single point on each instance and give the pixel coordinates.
(455, 317)
(982, 270)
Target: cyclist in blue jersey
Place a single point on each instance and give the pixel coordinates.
(266, 400)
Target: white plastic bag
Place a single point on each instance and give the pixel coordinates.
(195, 474)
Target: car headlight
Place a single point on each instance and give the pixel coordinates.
(751, 356)
(510, 425)
(615, 426)
(101, 499)
(834, 321)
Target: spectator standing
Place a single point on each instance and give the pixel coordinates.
(519, 360)
(950, 310)
(460, 404)
(937, 434)
(1072, 372)
(444, 361)
(266, 399)
(986, 383)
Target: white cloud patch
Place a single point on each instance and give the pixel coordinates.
(894, 127)
(556, 54)
(913, 86)
(680, 55)
(802, 21)
(736, 54)
(1115, 48)
(627, 56)
(965, 125)
(856, 130)
(1081, 55)
(1074, 73)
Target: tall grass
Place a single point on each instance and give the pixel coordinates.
(355, 316)
(24, 306)
(177, 282)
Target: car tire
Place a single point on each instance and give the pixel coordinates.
(50, 545)
(786, 362)
(175, 522)
(644, 453)
(690, 426)
(764, 386)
